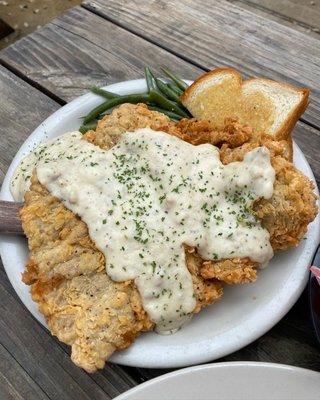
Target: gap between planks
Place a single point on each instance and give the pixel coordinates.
(89, 6)
(32, 83)
(32, 382)
(294, 13)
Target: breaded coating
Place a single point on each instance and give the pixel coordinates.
(281, 148)
(206, 290)
(83, 307)
(199, 132)
(127, 117)
(235, 139)
(292, 207)
(233, 271)
(96, 316)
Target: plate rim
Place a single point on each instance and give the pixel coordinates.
(205, 356)
(214, 366)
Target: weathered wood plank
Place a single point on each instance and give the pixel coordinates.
(15, 383)
(305, 12)
(92, 51)
(274, 16)
(211, 34)
(22, 109)
(308, 139)
(45, 360)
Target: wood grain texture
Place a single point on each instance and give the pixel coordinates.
(22, 109)
(305, 12)
(9, 217)
(92, 51)
(308, 139)
(30, 351)
(275, 16)
(15, 383)
(211, 34)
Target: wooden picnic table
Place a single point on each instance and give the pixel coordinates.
(107, 41)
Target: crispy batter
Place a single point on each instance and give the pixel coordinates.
(68, 279)
(292, 207)
(82, 305)
(235, 270)
(127, 117)
(198, 132)
(281, 148)
(293, 204)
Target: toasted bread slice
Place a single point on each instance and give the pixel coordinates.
(267, 106)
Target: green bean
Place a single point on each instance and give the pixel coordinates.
(150, 79)
(179, 82)
(167, 91)
(175, 88)
(166, 104)
(170, 114)
(88, 127)
(131, 98)
(171, 95)
(103, 93)
(162, 87)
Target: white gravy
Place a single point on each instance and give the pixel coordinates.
(146, 197)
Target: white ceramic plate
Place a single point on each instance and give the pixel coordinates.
(231, 381)
(245, 312)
